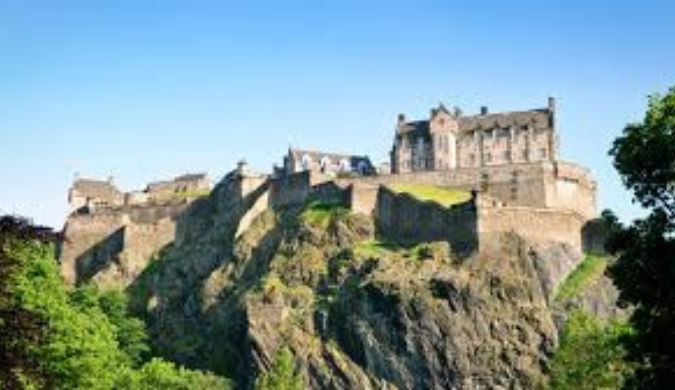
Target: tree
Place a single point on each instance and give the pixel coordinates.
(282, 375)
(590, 356)
(644, 272)
(83, 339)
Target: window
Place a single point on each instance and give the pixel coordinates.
(488, 157)
(514, 193)
(507, 155)
(344, 166)
(306, 162)
(542, 153)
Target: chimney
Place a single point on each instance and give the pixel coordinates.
(551, 103)
(401, 118)
(483, 110)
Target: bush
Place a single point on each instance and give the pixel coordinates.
(590, 355)
(282, 375)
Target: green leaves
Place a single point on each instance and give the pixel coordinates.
(590, 356)
(644, 270)
(282, 375)
(644, 155)
(83, 339)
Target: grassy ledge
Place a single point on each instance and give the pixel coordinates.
(320, 213)
(590, 269)
(446, 197)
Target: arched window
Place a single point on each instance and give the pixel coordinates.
(306, 162)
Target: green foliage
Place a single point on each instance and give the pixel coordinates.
(282, 375)
(322, 213)
(129, 332)
(80, 350)
(159, 374)
(590, 356)
(438, 251)
(590, 269)
(79, 340)
(446, 197)
(644, 156)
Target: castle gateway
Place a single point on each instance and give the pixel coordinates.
(449, 140)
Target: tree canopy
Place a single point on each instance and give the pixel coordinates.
(644, 156)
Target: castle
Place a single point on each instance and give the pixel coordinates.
(448, 141)
(508, 162)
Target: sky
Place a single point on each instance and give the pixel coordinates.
(144, 91)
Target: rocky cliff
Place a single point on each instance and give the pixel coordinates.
(354, 311)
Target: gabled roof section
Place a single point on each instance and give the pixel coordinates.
(95, 188)
(538, 119)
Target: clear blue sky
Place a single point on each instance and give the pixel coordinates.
(149, 90)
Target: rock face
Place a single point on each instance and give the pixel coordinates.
(355, 313)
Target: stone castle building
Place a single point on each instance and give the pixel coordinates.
(449, 140)
(297, 160)
(508, 162)
(87, 195)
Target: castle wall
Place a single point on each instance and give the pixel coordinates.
(363, 198)
(89, 241)
(539, 225)
(555, 185)
(290, 189)
(93, 241)
(402, 218)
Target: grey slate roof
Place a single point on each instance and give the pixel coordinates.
(538, 118)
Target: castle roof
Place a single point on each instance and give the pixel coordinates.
(537, 118)
(96, 188)
(191, 177)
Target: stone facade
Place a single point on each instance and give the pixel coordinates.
(330, 164)
(556, 185)
(508, 161)
(91, 194)
(449, 140)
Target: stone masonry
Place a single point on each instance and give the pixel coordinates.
(508, 161)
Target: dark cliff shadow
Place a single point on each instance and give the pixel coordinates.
(100, 256)
(168, 294)
(405, 220)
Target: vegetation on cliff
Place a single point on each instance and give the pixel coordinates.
(444, 196)
(591, 354)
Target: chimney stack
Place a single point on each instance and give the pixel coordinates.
(551, 103)
(483, 110)
(401, 118)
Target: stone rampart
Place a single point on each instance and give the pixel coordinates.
(290, 189)
(362, 198)
(556, 185)
(402, 218)
(535, 224)
(89, 241)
